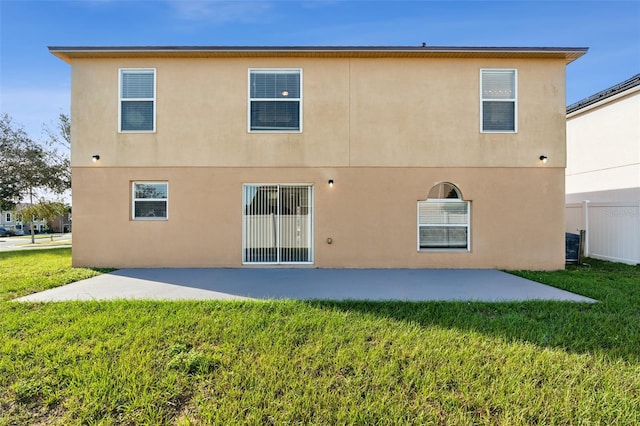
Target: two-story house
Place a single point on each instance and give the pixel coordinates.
(12, 220)
(331, 157)
(603, 172)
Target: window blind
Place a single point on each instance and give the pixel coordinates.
(444, 237)
(137, 85)
(498, 84)
(277, 226)
(275, 84)
(137, 100)
(443, 224)
(275, 100)
(498, 100)
(435, 213)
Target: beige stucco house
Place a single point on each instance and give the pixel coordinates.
(330, 157)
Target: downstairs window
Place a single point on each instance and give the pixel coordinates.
(150, 201)
(444, 220)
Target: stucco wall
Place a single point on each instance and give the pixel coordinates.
(356, 112)
(370, 213)
(603, 145)
(385, 130)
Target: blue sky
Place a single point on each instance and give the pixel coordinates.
(35, 85)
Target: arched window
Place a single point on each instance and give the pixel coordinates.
(444, 219)
(444, 190)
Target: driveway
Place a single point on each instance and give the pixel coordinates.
(327, 284)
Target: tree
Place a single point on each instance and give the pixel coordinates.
(29, 171)
(63, 134)
(12, 142)
(47, 210)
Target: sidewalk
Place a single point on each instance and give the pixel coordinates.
(42, 241)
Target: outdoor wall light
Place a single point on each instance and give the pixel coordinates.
(95, 158)
(543, 158)
(330, 183)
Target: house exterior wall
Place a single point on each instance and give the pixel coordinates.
(9, 224)
(385, 130)
(603, 145)
(357, 112)
(61, 224)
(370, 215)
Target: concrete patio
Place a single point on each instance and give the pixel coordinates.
(327, 284)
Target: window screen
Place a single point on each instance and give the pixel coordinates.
(150, 200)
(137, 100)
(274, 100)
(498, 100)
(443, 219)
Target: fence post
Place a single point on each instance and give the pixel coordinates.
(585, 226)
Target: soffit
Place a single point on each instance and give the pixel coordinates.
(68, 54)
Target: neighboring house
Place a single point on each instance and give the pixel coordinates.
(603, 145)
(331, 157)
(603, 172)
(61, 224)
(10, 219)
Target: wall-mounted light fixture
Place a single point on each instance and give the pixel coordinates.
(330, 183)
(95, 158)
(543, 158)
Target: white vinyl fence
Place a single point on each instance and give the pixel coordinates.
(612, 229)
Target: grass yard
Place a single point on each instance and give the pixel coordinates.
(30, 271)
(296, 362)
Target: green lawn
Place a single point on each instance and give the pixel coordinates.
(29, 271)
(295, 362)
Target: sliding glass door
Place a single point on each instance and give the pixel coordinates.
(277, 224)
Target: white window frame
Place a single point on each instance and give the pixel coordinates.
(134, 199)
(311, 218)
(466, 225)
(7, 217)
(250, 99)
(513, 100)
(122, 71)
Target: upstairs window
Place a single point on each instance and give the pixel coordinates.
(444, 219)
(498, 100)
(137, 100)
(275, 100)
(150, 200)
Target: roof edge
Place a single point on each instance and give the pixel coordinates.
(605, 94)
(309, 48)
(67, 53)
